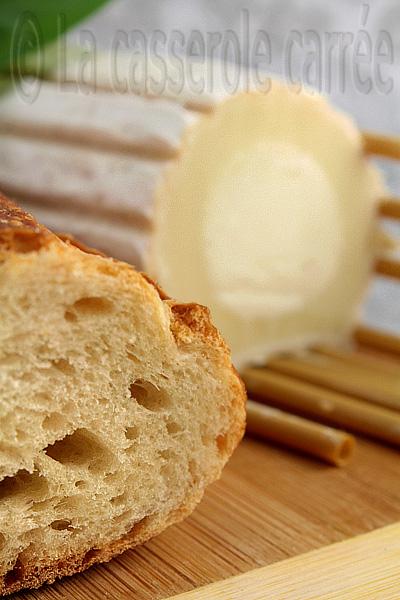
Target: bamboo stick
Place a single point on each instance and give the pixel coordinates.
(383, 389)
(348, 412)
(388, 267)
(390, 207)
(380, 363)
(380, 340)
(331, 445)
(381, 145)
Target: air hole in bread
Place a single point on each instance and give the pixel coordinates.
(42, 506)
(122, 517)
(70, 316)
(42, 399)
(19, 568)
(61, 525)
(90, 555)
(91, 306)
(15, 574)
(167, 454)
(54, 421)
(108, 269)
(91, 378)
(147, 395)
(207, 439)
(44, 349)
(81, 483)
(173, 427)
(69, 504)
(27, 556)
(27, 376)
(69, 408)
(193, 470)
(9, 452)
(10, 360)
(112, 478)
(21, 435)
(121, 499)
(133, 357)
(64, 366)
(222, 443)
(138, 526)
(168, 468)
(81, 449)
(29, 486)
(132, 433)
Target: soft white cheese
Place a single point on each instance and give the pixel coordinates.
(273, 234)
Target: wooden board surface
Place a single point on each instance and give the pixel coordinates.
(270, 504)
(361, 568)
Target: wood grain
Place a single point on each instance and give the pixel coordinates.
(363, 567)
(270, 504)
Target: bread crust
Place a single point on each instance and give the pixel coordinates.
(32, 576)
(19, 231)
(190, 325)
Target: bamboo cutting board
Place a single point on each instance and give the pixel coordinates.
(360, 568)
(270, 505)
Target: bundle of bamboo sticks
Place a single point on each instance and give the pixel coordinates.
(357, 388)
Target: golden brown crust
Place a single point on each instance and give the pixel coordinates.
(30, 575)
(13, 217)
(70, 240)
(191, 318)
(163, 295)
(190, 324)
(19, 231)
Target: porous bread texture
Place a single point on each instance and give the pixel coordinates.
(118, 407)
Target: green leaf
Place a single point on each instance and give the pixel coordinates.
(5, 84)
(26, 26)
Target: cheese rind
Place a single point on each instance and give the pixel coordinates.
(269, 218)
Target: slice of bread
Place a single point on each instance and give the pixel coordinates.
(118, 406)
